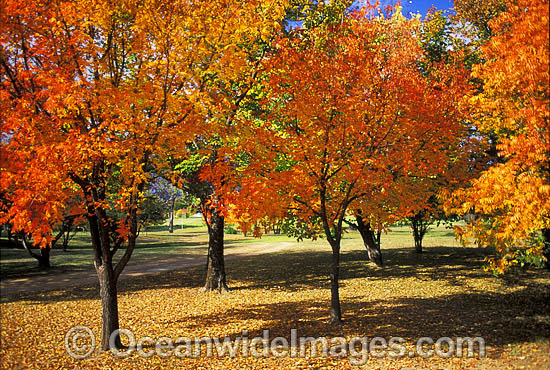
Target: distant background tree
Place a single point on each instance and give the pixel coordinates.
(162, 194)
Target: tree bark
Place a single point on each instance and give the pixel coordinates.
(108, 276)
(44, 258)
(419, 227)
(333, 234)
(66, 241)
(109, 305)
(67, 228)
(335, 310)
(417, 240)
(546, 250)
(370, 240)
(215, 270)
(106, 242)
(107, 273)
(171, 223)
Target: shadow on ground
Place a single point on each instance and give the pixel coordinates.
(517, 315)
(500, 319)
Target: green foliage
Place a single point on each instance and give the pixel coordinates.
(312, 13)
(436, 36)
(230, 229)
(301, 229)
(152, 211)
(519, 257)
(191, 165)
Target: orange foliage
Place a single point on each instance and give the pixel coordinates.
(351, 113)
(96, 93)
(515, 108)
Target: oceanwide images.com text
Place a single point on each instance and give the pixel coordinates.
(80, 343)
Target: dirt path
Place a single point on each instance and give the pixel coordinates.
(58, 280)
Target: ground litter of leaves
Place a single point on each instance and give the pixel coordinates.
(441, 293)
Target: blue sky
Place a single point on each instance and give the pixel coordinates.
(409, 6)
(415, 6)
(421, 6)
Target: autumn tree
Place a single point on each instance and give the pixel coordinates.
(511, 198)
(95, 95)
(211, 207)
(60, 231)
(443, 55)
(231, 91)
(80, 100)
(348, 110)
(415, 196)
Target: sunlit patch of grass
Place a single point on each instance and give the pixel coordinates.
(192, 239)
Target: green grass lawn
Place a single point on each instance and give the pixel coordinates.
(156, 242)
(189, 237)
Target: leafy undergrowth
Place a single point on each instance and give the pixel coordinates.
(442, 293)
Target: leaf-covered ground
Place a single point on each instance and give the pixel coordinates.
(442, 293)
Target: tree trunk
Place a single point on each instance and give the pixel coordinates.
(106, 242)
(108, 274)
(546, 250)
(171, 223)
(109, 304)
(67, 228)
(66, 241)
(417, 241)
(44, 258)
(215, 272)
(335, 310)
(419, 229)
(370, 240)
